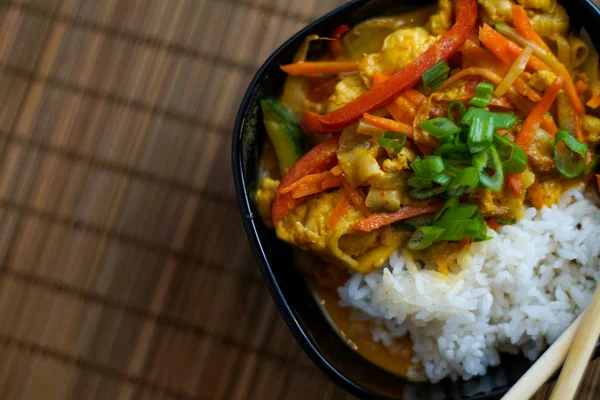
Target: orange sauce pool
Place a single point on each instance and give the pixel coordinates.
(357, 334)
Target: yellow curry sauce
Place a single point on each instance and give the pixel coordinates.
(357, 334)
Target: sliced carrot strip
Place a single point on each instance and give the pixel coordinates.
(334, 181)
(492, 223)
(340, 209)
(598, 180)
(306, 180)
(464, 242)
(485, 73)
(524, 28)
(375, 221)
(536, 195)
(581, 87)
(549, 125)
(506, 50)
(320, 67)
(514, 183)
(414, 97)
(523, 25)
(389, 124)
(594, 102)
(356, 198)
(337, 170)
(307, 190)
(525, 137)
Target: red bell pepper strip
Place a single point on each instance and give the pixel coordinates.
(335, 47)
(380, 96)
(320, 158)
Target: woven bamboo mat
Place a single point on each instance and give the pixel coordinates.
(124, 269)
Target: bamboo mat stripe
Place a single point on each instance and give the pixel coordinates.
(124, 269)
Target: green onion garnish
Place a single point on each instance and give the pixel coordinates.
(436, 75)
(453, 151)
(411, 224)
(513, 157)
(424, 193)
(477, 228)
(428, 166)
(424, 237)
(420, 182)
(483, 95)
(571, 161)
(481, 131)
(465, 181)
(441, 128)
(441, 179)
(501, 120)
(456, 104)
(480, 161)
(450, 203)
(455, 221)
(392, 140)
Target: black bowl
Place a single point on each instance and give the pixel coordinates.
(286, 284)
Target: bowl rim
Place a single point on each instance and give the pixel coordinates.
(305, 341)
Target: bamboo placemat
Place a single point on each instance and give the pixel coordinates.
(124, 269)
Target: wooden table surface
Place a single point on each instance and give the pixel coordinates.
(124, 269)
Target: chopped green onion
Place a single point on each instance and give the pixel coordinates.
(513, 157)
(453, 151)
(462, 211)
(411, 224)
(465, 181)
(424, 237)
(501, 120)
(461, 109)
(477, 228)
(441, 179)
(452, 202)
(505, 221)
(441, 128)
(424, 193)
(571, 162)
(420, 182)
(455, 231)
(436, 75)
(481, 131)
(428, 166)
(393, 140)
(483, 95)
(480, 161)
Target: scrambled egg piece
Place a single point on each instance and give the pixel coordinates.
(346, 90)
(500, 203)
(441, 21)
(399, 49)
(400, 161)
(306, 227)
(591, 125)
(264, 199)
(540, 80)
(547, 17)
(359, 164)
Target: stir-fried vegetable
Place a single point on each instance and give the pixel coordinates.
(570, 161)
(285, 134)
(444, 144)
(446, 46)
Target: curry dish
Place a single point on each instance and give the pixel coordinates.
(422, 131)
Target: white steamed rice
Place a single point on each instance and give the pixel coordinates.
(518, 291)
